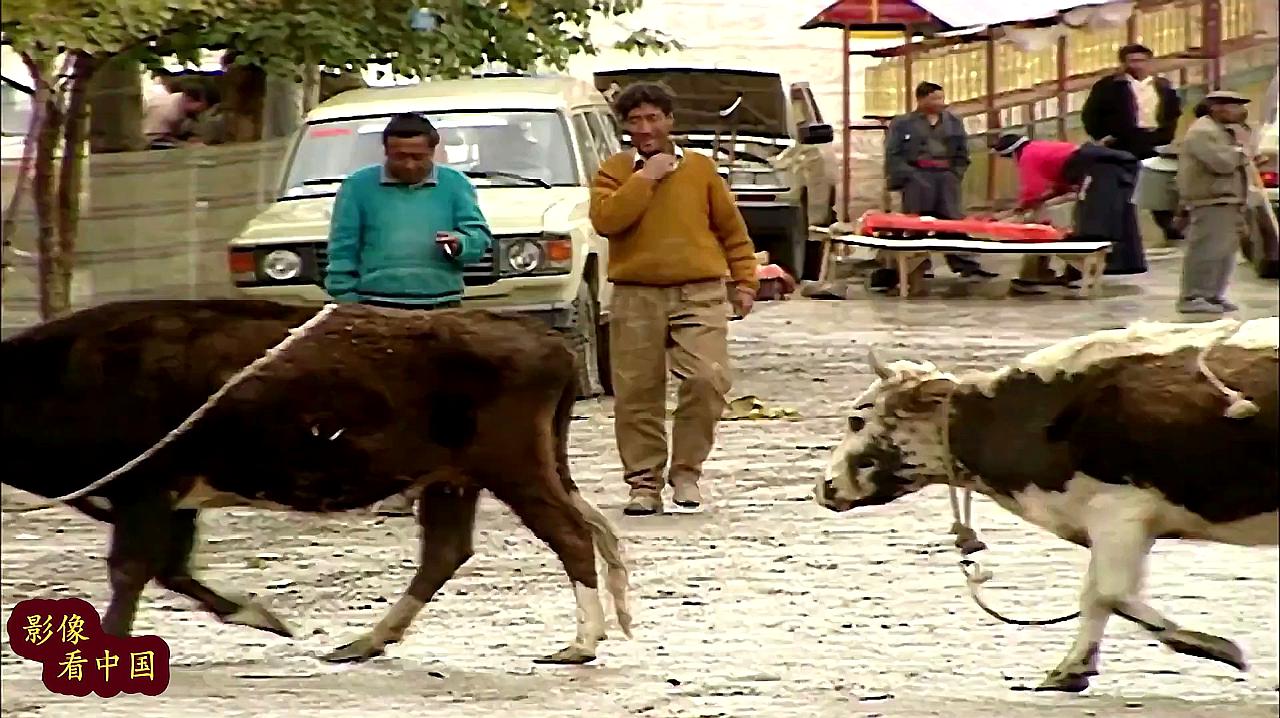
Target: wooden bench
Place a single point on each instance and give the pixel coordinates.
(909, 255)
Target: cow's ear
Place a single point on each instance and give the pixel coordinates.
(924, 398)
(935, 391)
(880, 369)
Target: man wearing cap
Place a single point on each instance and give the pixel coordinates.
(1213, 185)
(1041, 180)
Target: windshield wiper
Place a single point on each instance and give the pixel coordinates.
(489, 174)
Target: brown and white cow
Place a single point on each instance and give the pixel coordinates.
(362, 405)
(1110, 440)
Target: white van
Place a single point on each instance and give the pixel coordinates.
(531, 146)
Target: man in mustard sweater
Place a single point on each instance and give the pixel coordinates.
(674, 234)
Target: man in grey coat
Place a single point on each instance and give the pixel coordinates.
(926, 156)
(1213, 185)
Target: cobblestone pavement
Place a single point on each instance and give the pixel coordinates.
(763, 604)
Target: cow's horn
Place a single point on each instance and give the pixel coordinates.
(876, 366)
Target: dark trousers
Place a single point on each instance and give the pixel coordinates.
(936, 193)
(1143, 146)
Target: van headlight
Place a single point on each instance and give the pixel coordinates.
(282, 265)
(524, 256)
(535, 255)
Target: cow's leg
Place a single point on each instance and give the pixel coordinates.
(175, 575)
(1081, 663)
(139, 538)
(1119, 546)
(446, 517)
(551, 516)
(1125, 543)
(1182, 640)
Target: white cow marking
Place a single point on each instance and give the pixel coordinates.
(590, 612)
(1078, 354)
(1068, 513)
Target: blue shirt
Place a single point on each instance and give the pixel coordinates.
(382, 238)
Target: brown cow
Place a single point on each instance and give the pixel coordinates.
(360, 406)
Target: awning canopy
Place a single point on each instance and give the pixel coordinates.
(965, 13)
(872, 15)
(941, 14)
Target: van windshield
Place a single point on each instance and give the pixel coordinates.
(522, 144)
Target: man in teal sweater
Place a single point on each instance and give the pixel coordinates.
(402, 231)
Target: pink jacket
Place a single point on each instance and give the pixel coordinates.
(1040, 166)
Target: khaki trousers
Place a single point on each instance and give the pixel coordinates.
(652, 330)
(1213, 239)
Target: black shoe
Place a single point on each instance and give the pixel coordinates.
(1025, 286)
(883, 278)
(978, 272)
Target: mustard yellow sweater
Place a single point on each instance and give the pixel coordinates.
(684, 228)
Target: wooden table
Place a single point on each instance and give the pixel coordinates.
(909, 255)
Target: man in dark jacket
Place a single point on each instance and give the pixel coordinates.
(926, 156)
(1134, 111)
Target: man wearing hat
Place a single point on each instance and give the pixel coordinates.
(1213, 185)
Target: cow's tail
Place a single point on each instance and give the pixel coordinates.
(603, 535)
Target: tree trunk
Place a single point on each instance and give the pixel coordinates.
(116, 106)
(310, 88)
(70, 178)
(23, 181)
(244, 93)
(43, 184)
(282, 109)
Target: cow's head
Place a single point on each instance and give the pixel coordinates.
(893, 445)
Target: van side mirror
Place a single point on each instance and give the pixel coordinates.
(817, 134)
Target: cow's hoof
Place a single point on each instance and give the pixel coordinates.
(361, 649)
(1064, 682)
(571, 656)
(255, 615)
(1203, 645)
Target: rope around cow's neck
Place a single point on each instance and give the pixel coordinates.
(271, 354)
(967, 538)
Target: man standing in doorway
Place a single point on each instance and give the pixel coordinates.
(674, 233)
(1134, 111)
(926, 156)
(1214, 186)
(402, 231)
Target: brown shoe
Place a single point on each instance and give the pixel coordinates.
(643, 503)
(685, 493)
(395, 505)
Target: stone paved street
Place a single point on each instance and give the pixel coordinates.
(763, 604)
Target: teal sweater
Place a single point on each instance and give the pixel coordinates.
(382, 238)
